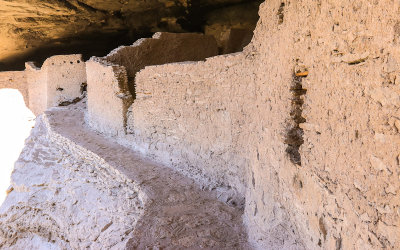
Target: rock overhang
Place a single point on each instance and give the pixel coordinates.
(36, 30)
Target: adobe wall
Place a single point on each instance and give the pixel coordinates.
(162, 48)
(15, 80)
(37, 86)
(316, 153)
(116, 72)
(190, 115)
(108, 97)
(58, 82)
(66, 76)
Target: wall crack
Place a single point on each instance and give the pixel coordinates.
(294, 133)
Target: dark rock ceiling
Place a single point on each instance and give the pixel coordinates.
(32, 30)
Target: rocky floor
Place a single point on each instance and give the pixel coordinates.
(74, 188)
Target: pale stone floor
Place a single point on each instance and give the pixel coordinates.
(16, 122)
(177, 214)
(180, 215)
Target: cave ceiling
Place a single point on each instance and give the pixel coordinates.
(31, 30)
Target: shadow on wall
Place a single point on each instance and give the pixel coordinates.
(17, 122)
(230, 22)
(86, 44)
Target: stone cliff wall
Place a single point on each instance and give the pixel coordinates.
(352, 133)
(304, 123)
(15, 80)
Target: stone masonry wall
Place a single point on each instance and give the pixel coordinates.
(302, 128)
(190, 115)
(15, 80)
(66, 77)
(304, 123)
(111, 87)
(60, 81)
(162, 48)
(108, 97)
(37, 88)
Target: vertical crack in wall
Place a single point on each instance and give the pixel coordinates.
(294, 134)
(280, 13)
(125, 95)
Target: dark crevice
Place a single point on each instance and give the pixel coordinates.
(294, 134)
(88, 7)
(195, 15)
(67, 4)
(83, 88)
(357, 61)
(194, 18)
(67, 103)
(280, 13)
(322, 228)
(338, 243)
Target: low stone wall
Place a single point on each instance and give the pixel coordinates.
(216, 122)
(303, 124)
(114, 74)
(189, 115)
(66, 78)
(108, 97)
(37, 88)
(58, 82)
(160, 49)
(15, 80)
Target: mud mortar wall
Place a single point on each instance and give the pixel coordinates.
(15, 80)
(352, 134)
(58, 82)
(66, 76)
(228, 122)
(111, 88)
(108, 97)
(189, 115)
(37, 88)
(162, 48)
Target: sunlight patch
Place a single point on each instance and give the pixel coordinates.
(16, 122)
